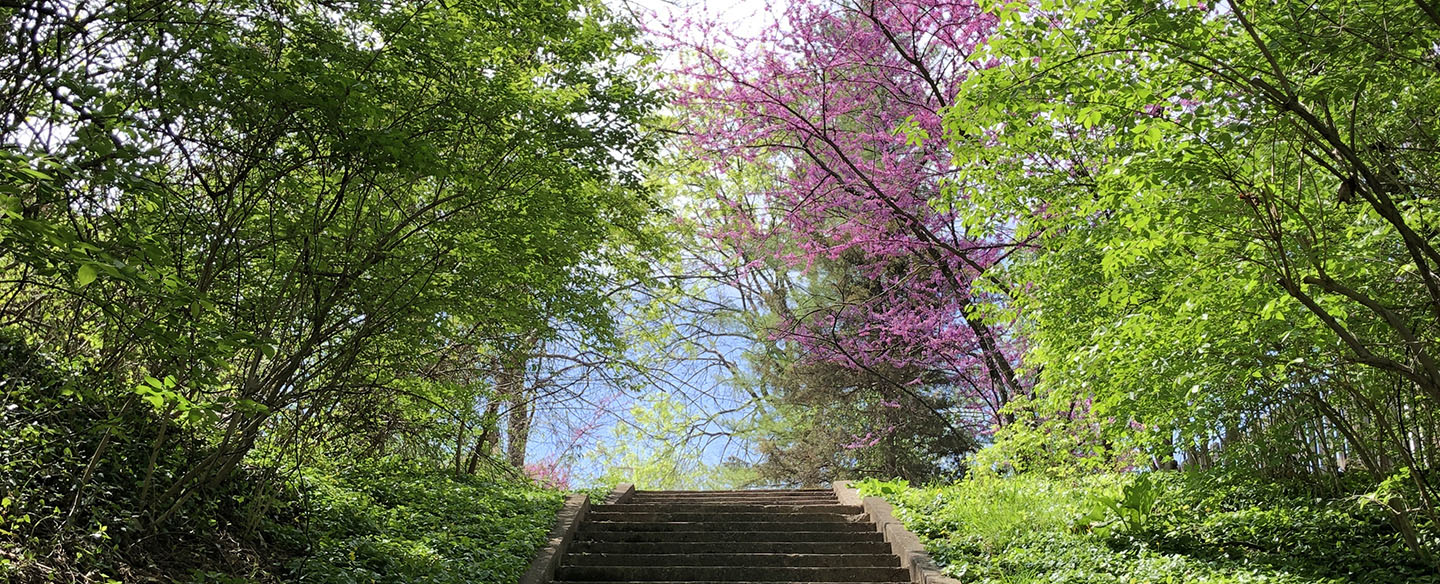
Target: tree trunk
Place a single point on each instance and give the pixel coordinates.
(517, 397)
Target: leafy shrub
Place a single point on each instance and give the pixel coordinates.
(70, 514)
(78, 463)
(395, 522)
(1129, 510)
(1205, 528)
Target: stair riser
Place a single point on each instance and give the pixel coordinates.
(756, 495)
(633, 517)
(724, 508)
(715, 494)
(673, 547)
(732, 496)
(805, 502)
(732, 536)
(755, 574)
(751, 492)
(745, 560)
(781, 526)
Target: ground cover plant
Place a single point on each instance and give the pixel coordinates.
(385, 520)
(404, 523)
(1203, 527)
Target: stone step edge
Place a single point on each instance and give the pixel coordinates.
(735, 496)
(788, 574)
(722, 517)
(729, 547)
(903, 543)
(653, 495)
(543, 567)
(726, 508)
(739, 491)
(730, 526)
(723, 561)
(736, 499)
(758, 537)
(584, 533)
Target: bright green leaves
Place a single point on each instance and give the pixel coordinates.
(914, 134)
(85, 275)
(653, 449)
(1127, 511)
(397, 523)
(1169, 197)
(168, 399)
(1200, 528)
(302, 202)
(158, 392)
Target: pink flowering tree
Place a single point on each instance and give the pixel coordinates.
(839, 104)
(549, 473)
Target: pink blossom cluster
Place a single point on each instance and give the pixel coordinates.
(840, 103)
(869, 439)
(549, 473)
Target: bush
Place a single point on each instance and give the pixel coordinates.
(405, 523)
(75, 453)
(79, 477)
(1206, 528)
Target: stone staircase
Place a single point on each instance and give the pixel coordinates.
(800, 535)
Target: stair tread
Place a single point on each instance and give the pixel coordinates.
(741, 507)
(640, 547)
(723, 517)
(766, 573)
(748, 526)
(738, 555)
(736, 491)
(696, 501)
(735, 537)
(722, 561)
(840, 523)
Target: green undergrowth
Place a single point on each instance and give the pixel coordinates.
(1161, 528)
(75, 454)
(409, 524)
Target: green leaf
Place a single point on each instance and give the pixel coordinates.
(86, 274)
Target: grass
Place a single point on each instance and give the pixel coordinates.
(1205, 529)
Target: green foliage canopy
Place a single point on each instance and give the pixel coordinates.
(1233, 208)
(269, 227)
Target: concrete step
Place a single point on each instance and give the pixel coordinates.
(745, 526)
(710, 537)
(735, 494)
(731, 573)
(747, 501)
(706, 535)
(739, 492)
(726, 508)
(719, 517)
(746, 560)
(723, 547)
